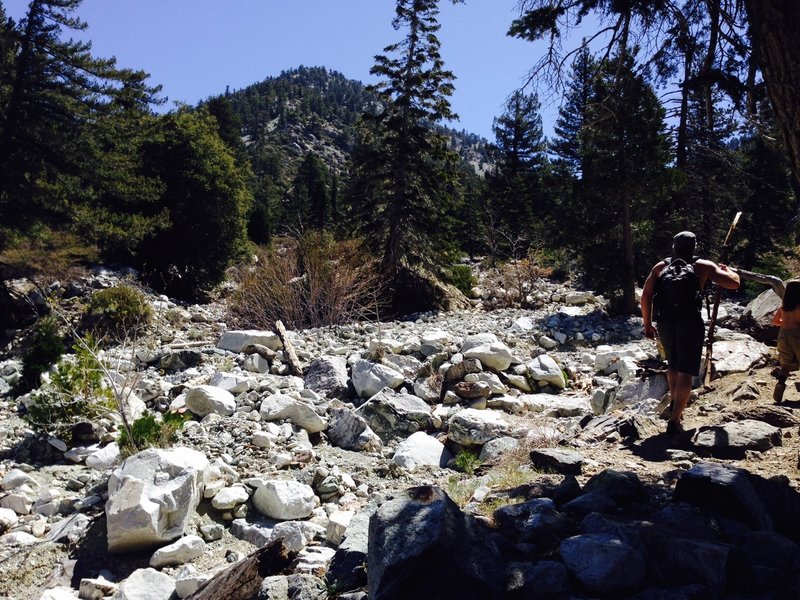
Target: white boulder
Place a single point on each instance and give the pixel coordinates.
(152, 496)
(421, 449)
(208, 399)
(179, 552)
(284, 500)
(278, 407)
(238, 340)
(369, 378)
(496, 356)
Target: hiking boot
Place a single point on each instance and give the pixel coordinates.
(675, 429)
(777, 393)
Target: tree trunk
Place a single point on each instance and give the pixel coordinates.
(775, 29)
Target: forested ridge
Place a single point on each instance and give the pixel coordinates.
(308, 151)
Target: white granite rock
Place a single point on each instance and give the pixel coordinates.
(338, 522)
(284, 500)
(421, 449)
(16, 478)
(278, 407)
(152, 496)
(179, 552)
(146, 584)
(544, 369)
(238, 340)
(472, 427)
(104, 458)
(496, 356)
(208, 399)
(230, 497)
(369, 378)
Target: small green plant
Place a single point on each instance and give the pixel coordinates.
(75, 393)
(466, 462)
(46, 348)
(459, 490)
(149, 431)
(461, 277)
(118, 311)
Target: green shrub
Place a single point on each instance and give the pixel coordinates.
(75, 393)
(118, 311)
(467, 461)
(313, 281)
(46, 348)
(149, 431)
(461, 277)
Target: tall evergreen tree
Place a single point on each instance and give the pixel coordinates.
(309, 204)
(403, 173)
(567, 144)
(622, 150)
(52, 90)
(516, 181)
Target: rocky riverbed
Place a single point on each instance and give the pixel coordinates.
(473, 454)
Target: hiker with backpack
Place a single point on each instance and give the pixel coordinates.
(672, 296)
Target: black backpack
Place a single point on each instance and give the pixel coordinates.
(677, 291)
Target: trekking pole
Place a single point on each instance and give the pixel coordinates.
(723, 258)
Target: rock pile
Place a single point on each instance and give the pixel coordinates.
(342, 476)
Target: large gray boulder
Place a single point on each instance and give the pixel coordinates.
(347, 570)
(737, 437)
(327, 376)
(422, 541)
(152, 496)
(369, 378)
(350, 431)
(473, 427)
(278, 407)
(757, 317)
(392, 415)
(603, 563)
(727, 490)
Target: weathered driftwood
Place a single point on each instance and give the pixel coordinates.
(243, 580)
(291, 355)
(264, 352)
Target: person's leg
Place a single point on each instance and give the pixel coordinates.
(780, 385)
(672, 380)
(681, 391)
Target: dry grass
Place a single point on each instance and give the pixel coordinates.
(47, 257)
(311, 282)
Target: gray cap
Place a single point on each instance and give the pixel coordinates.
(683, 244)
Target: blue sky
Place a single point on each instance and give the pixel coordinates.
(195, 48)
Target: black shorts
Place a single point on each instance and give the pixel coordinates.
(683, 343)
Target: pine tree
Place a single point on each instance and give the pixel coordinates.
(516, 181)
(51, 91)
(403, 186)
(569, 126)
(309, 205)
(623, 153)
